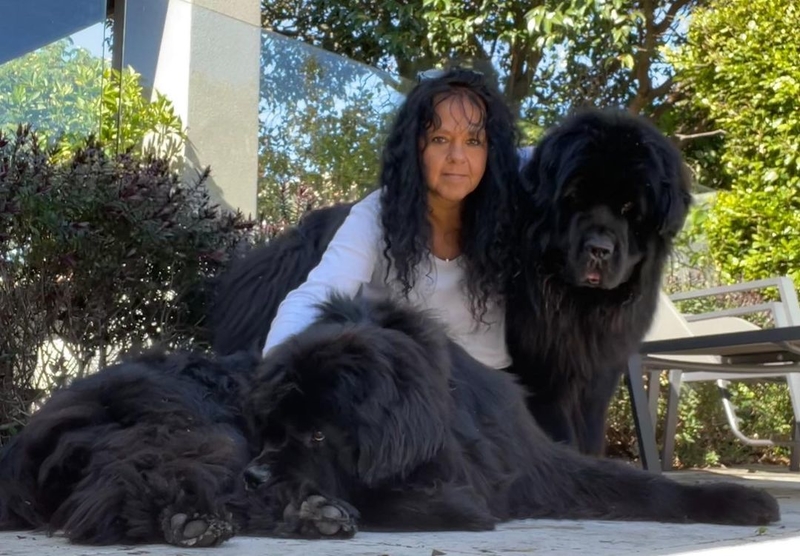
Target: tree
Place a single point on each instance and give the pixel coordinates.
(549, 56)
(322, 123)
(740, 77)
(69, 94)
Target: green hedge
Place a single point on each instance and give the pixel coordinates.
(740, 70)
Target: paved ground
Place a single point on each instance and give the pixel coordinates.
(595, 538)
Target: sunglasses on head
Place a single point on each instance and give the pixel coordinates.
(436, 73)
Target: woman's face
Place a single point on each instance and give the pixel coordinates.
(454, 156)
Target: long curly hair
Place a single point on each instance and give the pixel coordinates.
(486, 250)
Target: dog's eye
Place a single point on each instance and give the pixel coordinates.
(317, 436)
(627, 207)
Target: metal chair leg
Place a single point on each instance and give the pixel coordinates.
(671, 421)
(653, 392)
(645, 433)
(793, 381)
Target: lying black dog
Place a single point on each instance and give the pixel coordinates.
(148, 450)
(605, 195)
(373, 411)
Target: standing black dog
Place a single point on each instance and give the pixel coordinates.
(605, 194)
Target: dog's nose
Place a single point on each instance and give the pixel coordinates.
(256, 475)
(599, 247)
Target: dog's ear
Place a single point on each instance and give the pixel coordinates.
(400, 433)
(273, 382)
(540, 192)
(402, 419)
(539, 176)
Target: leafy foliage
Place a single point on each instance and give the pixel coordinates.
(739, 83)
(68, 94)
(703, 437)
(99, 254)
(549, 56)
(740, 72)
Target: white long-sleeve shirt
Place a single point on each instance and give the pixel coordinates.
(354, 262)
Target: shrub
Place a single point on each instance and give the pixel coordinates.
(99, 254)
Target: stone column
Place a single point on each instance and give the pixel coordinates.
(204, 56)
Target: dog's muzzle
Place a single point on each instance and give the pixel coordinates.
(600, 247)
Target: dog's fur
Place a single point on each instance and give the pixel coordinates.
(605, 195)
(248, 295)
(375, 412)
(148, 450)
(576, 311)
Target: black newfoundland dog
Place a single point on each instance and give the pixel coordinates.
(605, 194)
(249, 293)
(373, 412)
(371, 416)
(148, 450)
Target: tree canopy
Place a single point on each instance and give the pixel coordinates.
(326, 94)
(549, 56)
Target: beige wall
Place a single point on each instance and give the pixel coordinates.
(204, 55)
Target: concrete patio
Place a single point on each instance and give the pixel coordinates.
(595, 538)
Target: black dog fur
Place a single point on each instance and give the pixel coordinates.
(373, 408)
(371, 412)
(247, 298)
(148, 450)
(605, 195)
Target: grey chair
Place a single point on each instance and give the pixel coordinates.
(718, 346)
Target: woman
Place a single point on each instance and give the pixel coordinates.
(434, 233)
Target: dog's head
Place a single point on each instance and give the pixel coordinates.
(605, 193)
(358, 398)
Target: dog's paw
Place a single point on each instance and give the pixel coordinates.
(195, 530)
(318, 517)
